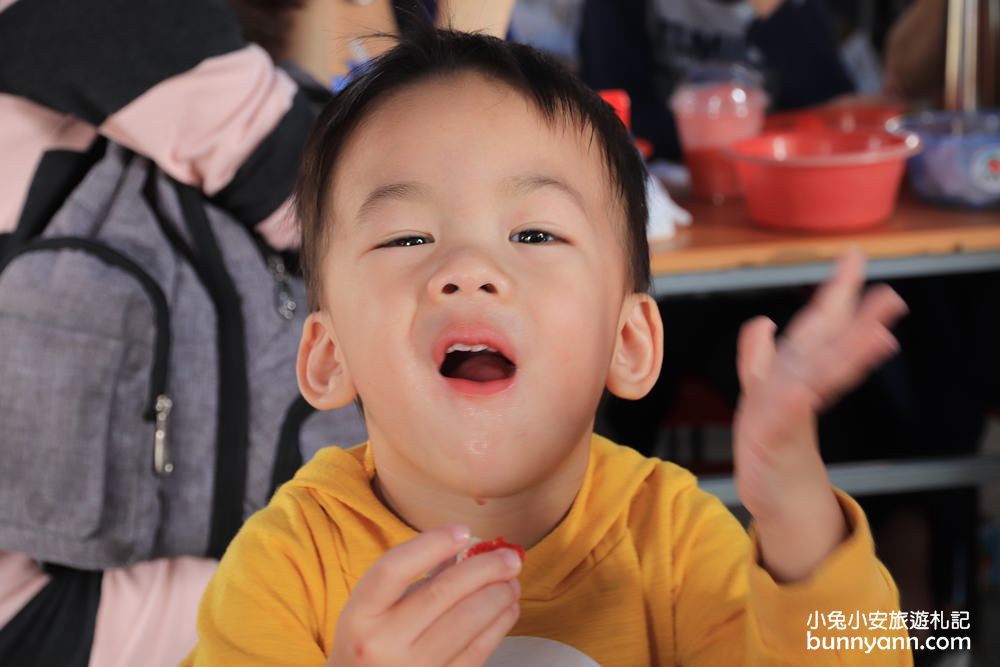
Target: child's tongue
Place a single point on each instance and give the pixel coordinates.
(482, 368)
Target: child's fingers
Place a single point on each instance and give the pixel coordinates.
(845, 360)
(834, 303)
(472, 629)
(483, 646)
(840, 292)
(880, 307)
(868, 341)
(387, 580)
(755, 351)
(436, 570)
(881, 304)
(437, 595)
(861, 350)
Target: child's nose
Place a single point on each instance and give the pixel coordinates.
(466, 274)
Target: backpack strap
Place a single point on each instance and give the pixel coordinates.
(232, 427)
(288, 459)
(59, 173)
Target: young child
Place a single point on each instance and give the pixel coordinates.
(474, 241)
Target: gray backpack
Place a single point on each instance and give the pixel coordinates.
(148, 402)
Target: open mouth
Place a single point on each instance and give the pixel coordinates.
(476, 363)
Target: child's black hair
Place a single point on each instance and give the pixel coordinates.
(425, 53)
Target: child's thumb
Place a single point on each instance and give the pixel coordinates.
(755, 351)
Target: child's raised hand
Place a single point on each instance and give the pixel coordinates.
(456, 617)
(828, 348)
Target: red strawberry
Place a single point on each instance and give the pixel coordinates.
(485, 546)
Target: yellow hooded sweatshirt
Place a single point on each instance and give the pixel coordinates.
(645, 569)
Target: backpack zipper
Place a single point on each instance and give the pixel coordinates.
(284, 302)
(158, 404)
(161, 453)
(284, 299)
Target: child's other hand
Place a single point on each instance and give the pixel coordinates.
(456, 617)
(827, 349)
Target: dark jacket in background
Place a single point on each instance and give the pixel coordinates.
(643, 46)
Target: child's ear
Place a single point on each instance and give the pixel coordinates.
(638, 355)
(323, 377)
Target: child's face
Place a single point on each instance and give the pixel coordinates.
(460, 216)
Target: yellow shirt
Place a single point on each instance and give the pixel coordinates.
(646, 569)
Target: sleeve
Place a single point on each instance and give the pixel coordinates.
(800, 55)
(266, 604)
(140, 615)
(754, 621)
(21, 579)
(149, 609)
(171, 80)
(615, 52)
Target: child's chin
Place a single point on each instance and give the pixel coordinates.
(500, 479)
(483, 496)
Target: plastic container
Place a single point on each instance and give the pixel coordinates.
(848, 117)
(622, 104)
(715, 107)
(822, 180)
(960, 163)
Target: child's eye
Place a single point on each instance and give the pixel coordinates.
(533, 236)
(406, 242)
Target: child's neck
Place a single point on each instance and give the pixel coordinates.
(524, 518)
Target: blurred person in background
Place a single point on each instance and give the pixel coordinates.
(915, 52)
(645, 46)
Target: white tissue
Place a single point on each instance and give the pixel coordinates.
(664, 214)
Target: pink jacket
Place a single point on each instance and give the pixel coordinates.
(219, 115)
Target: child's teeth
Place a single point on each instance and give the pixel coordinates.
(478, 347)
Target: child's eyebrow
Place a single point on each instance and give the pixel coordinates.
(528, 183)
(389, 192)
(519, 185)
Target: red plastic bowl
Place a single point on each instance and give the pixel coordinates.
(789, 121)
(860, 117)
(822, 180)
(851, 117)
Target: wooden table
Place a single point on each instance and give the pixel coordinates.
(722, 250)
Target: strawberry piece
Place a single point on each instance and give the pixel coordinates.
(486, 546)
